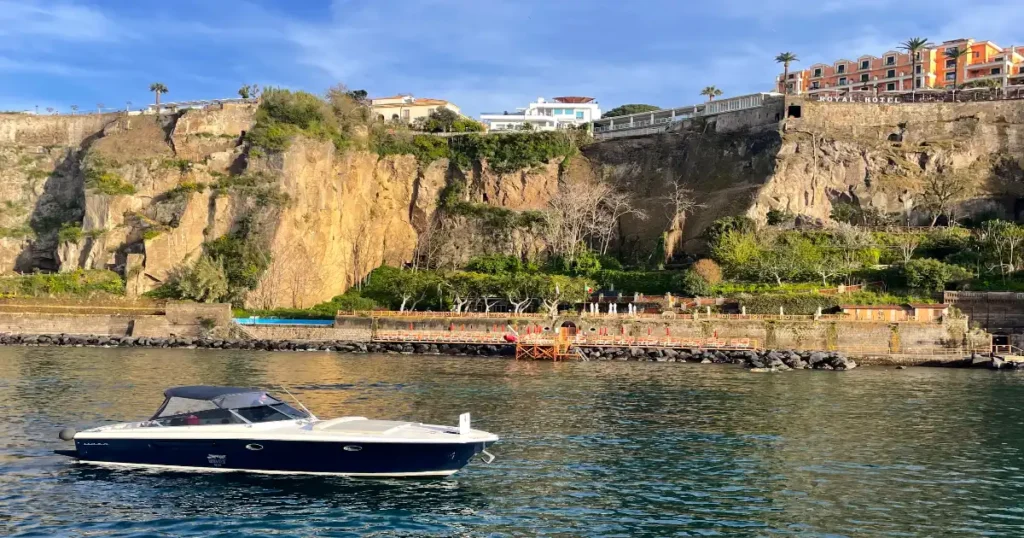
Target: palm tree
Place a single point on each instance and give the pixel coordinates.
(785, 59)
(955, 54)
(711, 92)
(158, 88)
(914, 46)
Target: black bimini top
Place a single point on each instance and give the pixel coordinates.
(206, 392)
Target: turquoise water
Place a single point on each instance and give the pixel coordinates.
(285, 321)
(588, 449)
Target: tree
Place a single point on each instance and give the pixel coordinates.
(955, 54)
(1003, 240)
(520, 290)
(625, 110)
(158, 88)
(249, 91)
(942, 191)
(708, 270)
(74, 109)
(573, 213)
(694, 285)
(205, 281)
(556, 290)
(907, 243)
(914, 46)
(49, 110)
(711, 92)
(786, 58)
(932, 275)
(680, 201)
(610, 210)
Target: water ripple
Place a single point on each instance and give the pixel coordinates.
(607, 449)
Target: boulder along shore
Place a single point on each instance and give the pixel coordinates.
(762, 361)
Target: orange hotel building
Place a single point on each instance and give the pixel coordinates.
(891, 71)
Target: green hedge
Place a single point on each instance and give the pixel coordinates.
(646, 282)
(75, 283)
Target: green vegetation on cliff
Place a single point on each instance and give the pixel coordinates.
(78, 283)
(504, 153)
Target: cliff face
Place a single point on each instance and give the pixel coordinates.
(888, 157)
(147, 193)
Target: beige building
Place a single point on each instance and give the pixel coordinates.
(407, 108)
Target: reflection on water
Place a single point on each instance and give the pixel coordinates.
(589, 448)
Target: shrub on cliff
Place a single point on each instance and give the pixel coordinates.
(204, 281)
(692, 284)
(282, 114)
(932, 275)
(69, 233)
(77, 283)
(107, 183)
(708, 270)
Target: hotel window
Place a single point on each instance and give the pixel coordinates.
(950, 76)
(950, 64)
(918, 70)
(814, 85)
(890, 73)
(977, 55)
(891, 60)
(997, 71)
(864, 77)
(842, 81)
(558, 111)
(817, 72)
(841, 68)
(918, 84)
(865, 64)
(890, 86)
(579, 114)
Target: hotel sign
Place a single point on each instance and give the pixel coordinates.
(854, 98)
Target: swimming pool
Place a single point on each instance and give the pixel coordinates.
(285, 321)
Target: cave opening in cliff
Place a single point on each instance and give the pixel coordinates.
(794, 111)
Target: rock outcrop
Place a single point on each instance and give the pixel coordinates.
(148, 192)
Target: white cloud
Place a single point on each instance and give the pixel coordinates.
(59, 21)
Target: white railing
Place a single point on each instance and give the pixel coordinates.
(660, 120)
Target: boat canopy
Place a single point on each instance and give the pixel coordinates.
(199, 398)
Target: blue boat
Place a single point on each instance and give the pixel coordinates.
(223, 429)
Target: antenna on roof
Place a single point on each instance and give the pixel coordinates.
(304, 408)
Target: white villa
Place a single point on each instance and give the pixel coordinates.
(543, 115)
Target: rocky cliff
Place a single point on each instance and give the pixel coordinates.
(891, 158)
(142, 195)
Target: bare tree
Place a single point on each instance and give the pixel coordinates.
(573, 213)
(942, 192)
(680, 201)
(907, 243)
(615, 206)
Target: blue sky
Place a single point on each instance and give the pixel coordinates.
(484, 55)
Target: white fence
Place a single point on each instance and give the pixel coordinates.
(658, 121)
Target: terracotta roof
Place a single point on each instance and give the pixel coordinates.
(871, 307)
(399, 96)
(415, 102)
(573, 99)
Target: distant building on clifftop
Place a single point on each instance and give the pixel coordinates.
(891, 71)
(407, 108)
(543, 115)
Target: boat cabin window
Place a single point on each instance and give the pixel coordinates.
(239, 408)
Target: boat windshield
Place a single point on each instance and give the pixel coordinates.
(237, 408)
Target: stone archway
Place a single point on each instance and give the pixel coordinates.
(569, 328)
